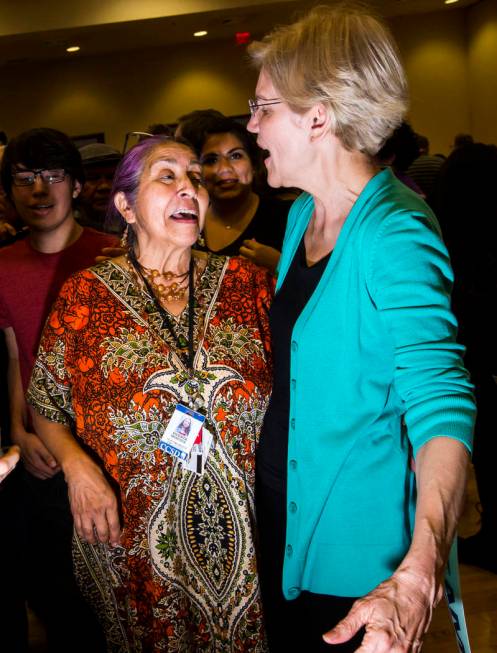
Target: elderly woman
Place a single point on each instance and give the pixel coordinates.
(133, 347)
(367, 372)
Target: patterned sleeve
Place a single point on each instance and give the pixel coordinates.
(49, 391)
(264, 285)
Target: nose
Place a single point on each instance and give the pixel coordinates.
(39, 184)
(253, 123)
(187, 187)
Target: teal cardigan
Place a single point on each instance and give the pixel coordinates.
(375, 373)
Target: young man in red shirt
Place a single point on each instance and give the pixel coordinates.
(42, 174)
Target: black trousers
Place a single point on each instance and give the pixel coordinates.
(37, 562)
(292, 626)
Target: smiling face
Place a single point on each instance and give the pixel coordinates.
(283, 134)
(226, 167)
(171, 201)
(45, 207)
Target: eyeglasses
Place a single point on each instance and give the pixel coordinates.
(27, 177)
(255, 105)
(132, 138)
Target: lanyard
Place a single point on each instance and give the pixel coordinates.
(166, 320)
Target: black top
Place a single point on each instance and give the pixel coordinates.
(267, 227)
(289, 302)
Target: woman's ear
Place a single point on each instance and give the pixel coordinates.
(122, 205)
(320, 121)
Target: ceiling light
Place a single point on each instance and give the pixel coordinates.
(202, 32)
(73, 48)
(450, 2)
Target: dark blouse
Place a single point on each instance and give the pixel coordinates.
(267, 227)
(289, 302)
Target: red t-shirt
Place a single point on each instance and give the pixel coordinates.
(30, 282)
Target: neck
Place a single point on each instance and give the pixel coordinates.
(51, 242)
(335, 178)
(164, 258)
(232, 211)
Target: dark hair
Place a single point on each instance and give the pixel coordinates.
(464, 203)
(402, 145)
(41, 148)
(462, 139)
(194, 125)
(229, 126)
(128, 175)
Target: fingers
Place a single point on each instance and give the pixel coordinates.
(9, 461)
(347, 627)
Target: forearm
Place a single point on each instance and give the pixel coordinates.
(441, 469)
(17, 403)
(61, 443)
(93, 502)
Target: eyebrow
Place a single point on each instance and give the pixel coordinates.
(168, 161)
(233, 149)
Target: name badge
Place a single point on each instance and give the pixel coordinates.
(181, 432)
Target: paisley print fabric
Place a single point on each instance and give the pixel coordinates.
(185, 578)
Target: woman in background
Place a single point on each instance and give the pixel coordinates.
(241, 218)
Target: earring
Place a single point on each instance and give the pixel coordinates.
(123, 243)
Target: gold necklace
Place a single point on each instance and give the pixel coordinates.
(165, 292)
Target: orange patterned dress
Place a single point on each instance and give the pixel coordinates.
(185, 578)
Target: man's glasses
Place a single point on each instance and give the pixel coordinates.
(255, 105)
(27, 177)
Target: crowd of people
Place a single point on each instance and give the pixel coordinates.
(247, 427)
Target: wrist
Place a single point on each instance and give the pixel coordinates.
(74, 462)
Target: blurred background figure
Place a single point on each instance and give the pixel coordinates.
(465, 205)
(398, 152)
(425, 168)
(11, 226)
(99, 165)
(462, 139)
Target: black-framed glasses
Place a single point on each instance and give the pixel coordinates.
(48, 176)
(255, 105)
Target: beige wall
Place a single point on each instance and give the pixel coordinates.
(450, 58)
(482, 57)
(126, 92)
(433, 48)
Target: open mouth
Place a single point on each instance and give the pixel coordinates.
(41, 208)
(185, 215)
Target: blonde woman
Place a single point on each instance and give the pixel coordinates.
(367, 372)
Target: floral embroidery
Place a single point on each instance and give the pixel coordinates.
(185, 578)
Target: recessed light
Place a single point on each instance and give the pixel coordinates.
(73, 48)
(201, 32)
(450, 2)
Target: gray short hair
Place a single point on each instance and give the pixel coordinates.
(345, 58)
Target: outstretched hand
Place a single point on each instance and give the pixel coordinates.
(395, 615)
(9, 461)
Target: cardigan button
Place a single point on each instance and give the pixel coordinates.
(292, 423)
(293, 591)
(294, 345)
(289, 550)
(293, 464)
(292, 507)
(294, 384)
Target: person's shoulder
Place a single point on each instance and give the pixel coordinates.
(13, 255)
(99, 238)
